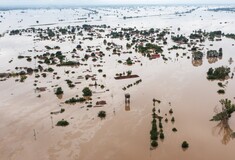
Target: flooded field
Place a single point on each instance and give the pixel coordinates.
(159, 55)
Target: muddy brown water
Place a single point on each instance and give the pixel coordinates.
(125, 133)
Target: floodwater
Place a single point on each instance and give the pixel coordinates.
(28, 131)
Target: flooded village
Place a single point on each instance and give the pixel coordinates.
(117, 82)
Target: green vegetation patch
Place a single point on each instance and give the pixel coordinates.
(185, 145)
(59, 91)
(87, 92)
(75, 100)
(227, 109)
(102, 114)
(220, 73)
(62, 123)
(148, 47)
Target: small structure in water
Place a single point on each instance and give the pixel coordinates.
(127, 102)
(127, 98)
(127, 95)
(230, 60)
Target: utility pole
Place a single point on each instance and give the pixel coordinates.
(35, 135)
(52, 126)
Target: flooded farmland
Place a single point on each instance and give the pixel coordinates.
(117, 82)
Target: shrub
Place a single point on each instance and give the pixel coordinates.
(47, 61)
(171, 111)
(219, 73)
(129, 72)
(185, 145)
(29, 59)
(68, 81)
(228, 109)
(220, 84)
(69, 63)
(166, 120)
(221, 91)
(129, 61)
(154, 144)
(87, 92)
(148, 46)
(154, 135)
(23, 78)
(62, 123)
(71, 85)
(62, 110)
(174, 129)
(154, 121)
(180, 38)
(20, 57)
(102, 114)
(50, 69)
(172, 119)
(59, 91)
(75, 100)
(44, 75)
(162, 136)
(160, 125)
(102, 86)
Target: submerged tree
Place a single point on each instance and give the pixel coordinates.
(185, 145)
(227, 109)
(62, 123)
(59, 91)
(223, 129)
(223, 117)
(87, 92)
(220, 73)
(102, 114)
